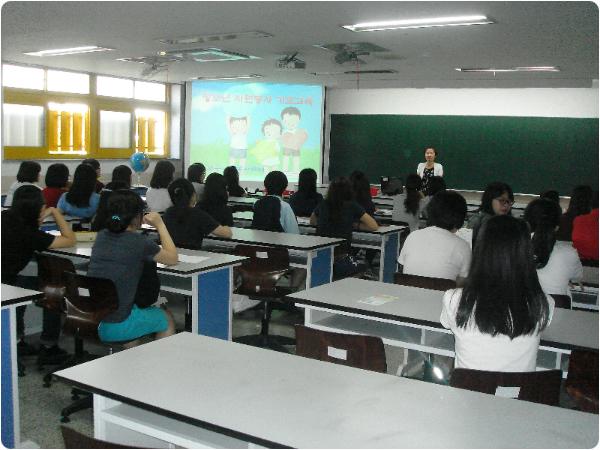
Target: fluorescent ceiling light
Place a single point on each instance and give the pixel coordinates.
(419, 23)
(233, 77)
(511, 69)
(69, 51)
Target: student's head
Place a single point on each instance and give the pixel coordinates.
(430, 154)
(271, 128)
(122, 174)
(238, 125)
(551, 195)
(28, 206)
(447, 210)
(580, 202)
(502, 292)
(215, 190)
(183, 195)
(196, 173)
(291, 117)
(94, 163)
(124, 208)
(84, 184)
(29, 172)
(232, 177)
(436, 184)
(57, 176)
(543, 217)
(276, 182)
(307, 181)
(163, 174)
(99, 221)
(413, 182)
(413, 196)
(497, 199)
(339, 192)
(360, 186)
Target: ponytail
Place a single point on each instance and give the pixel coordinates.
(123, 207)
(413, 197)
(181, 192)
(543, 216)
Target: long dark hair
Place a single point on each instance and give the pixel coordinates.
(29, 172)
(181, 192)
(581, 201)
(232, 179)
(492, 191)
(196, 172)
(84, 185)
(543, 217)
(27, 205)
(361, 187)
(99, 221)
(57, 175)
(123, 207)
(163, 174)
(436, 184)
(502, 293)
(413, 186)
(339, 193)
(307, 182)
(122, 174)
(215, 191)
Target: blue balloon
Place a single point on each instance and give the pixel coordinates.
(139, 162)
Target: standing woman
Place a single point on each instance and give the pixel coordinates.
(81, 200)
(497, 200)
(232, 178)
(195, 175)
(57, 179)
(429, 169)
(157, 197)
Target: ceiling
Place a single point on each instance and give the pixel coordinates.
(563, 34)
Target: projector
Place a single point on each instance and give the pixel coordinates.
(294, 64)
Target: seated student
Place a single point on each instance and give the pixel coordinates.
(498, 316)
(362, 191)
(436, 184)
(57, 180)
(232, 179)
(101, 217)
(81, 200)
(497, 200)
(580, 203)
(556, 261)
(29, 173)
(214, 199)
(157, 197)
(119, 254)
(306, 198)
(271, 213)
(407, 206)
(552, 195)
(186, 223)
(96, 165)
(195, 174)
(585, 232)
(21, 237)
(436, 251)
(122, 174)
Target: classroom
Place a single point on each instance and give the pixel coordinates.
(289, 194)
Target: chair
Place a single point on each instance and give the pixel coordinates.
(561, 301)
(259, 276)
(538, 387)
(75, 439)
(363, 352)
(437, 284)
(582, 380)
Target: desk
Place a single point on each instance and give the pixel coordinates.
(203, 402)
(386, 240)
(209, 281)
(12, 297)
(413, 320)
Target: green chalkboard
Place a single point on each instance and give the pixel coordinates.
(531, 154)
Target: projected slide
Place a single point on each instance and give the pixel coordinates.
(257, 127)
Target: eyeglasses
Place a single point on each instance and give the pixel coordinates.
(504, 202)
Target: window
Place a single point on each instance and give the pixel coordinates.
(68, 128)
(150, 131)
(114, 87)
(77, 83)
(22, 77)
(23, 125)
(115, 129)
(150, 91)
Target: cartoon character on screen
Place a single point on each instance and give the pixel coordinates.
(267, 150)
(238, 143)
(293, 138)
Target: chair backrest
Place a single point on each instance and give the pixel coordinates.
(88, 300)
(364, 352)
(265, 266)
(438, 284)
(539, 387)
(582, 379)
(75, 439)
(51, 279)
(561, 301)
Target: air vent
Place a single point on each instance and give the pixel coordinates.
(207, 55)
(152, 59)
(214, 38)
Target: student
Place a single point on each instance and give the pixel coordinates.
(271, 213)
(195, 174)
(436, 251)
(580, 203)
(436, 184)
(407, 206)
(96, 165)
(101, 217)
(122, 174)
(585, 232)
(362, 191)
(21, 237)
(551, 194)
(556, 261)
(157, 197)
(498, 316)
(306, 198)
(119, 254)
(232, 179)
(214, 199)
(57, 180)
(497, 200)
(188, 224)
(29, 173)
(81, 200)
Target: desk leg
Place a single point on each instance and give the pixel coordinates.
(389, 255)
(211, 304)
(319, 267)
(10, 393)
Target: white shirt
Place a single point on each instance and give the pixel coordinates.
(438, 169)
(11, 191)
(399, 213)
(199, 188)
(562, 266)
(435, 252)
(158, 199)
(476, 350)
(239, 141)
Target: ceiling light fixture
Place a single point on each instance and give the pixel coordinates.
(510, 69)
(214, 37)
(420, 23)
(233, 77)
(69, 51)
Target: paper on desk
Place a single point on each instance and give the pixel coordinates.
(385, 212)
(508, 391)
(377, 300)
(303, 220)
(192, 259)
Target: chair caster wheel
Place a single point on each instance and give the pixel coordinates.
(65, 419)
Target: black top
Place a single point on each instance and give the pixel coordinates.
(221, 214)
(267, 214)
(237, 191)
(191, 229)
(18, 245)
(427, 175)
(303, 205)
(351, 214)
(368, 206)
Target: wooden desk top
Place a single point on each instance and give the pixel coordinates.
(14, 295)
